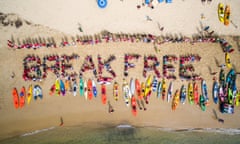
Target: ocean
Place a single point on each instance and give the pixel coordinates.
(125, 134)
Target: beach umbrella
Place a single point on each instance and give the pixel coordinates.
(160, 1)
(168, 1)
(147, 2)
(102, 3)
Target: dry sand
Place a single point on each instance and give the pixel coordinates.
(76, 110)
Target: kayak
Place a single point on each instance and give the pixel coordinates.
(142, 90)
(205, 92)
(132, 86)
(115, 91)
(221, 94)
(195, 93)
(159, 89)
(134, 106)
(221, 12)
(94, 88)
(126, 92)
(154, 84)
(29, 94)
(57, 87)
(85, 90)
(138, 89)
(190, 93)
(104, 95)
(37, 92)
(227, 60)
(183, 94)
(231, 77)
(74, 88)
(202, 103)
(164, 87)
(230, 96)
(15, 98)
(237, 102)
(70, 86)
(66, 85)
(62, 88)
(148, 86)
(215, 92)
(22, 97)
(227, 15)
(175, 101)
(89, 88)
(222, 77)
(52, 90)
(170, 89)
(81, 87)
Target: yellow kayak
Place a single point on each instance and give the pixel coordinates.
(237, 98)
(190, 93)
(148, 85)
(29, 94)
(57, 87)
(227, 15)
(164, 87)
(176, 99)
(227, 60)
(221, 12)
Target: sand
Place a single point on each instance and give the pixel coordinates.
(59, 20)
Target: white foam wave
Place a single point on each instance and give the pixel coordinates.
(124, 126)
(228, 131)
(37, 131)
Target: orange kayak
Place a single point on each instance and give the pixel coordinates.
(134, 106)
(195, 92)
(227, 15)
(66, 84)
(142, 91)
(89, 87)
(22, 97)
(175, 100)
(15, 98)
(138, 89)
(104, 96)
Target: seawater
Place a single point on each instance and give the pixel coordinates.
(125, 134)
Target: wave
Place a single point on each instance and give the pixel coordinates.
(124, 126)
(228, 131)
(37, 131)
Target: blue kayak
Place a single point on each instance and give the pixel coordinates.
(102, 3)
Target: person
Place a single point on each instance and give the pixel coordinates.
(13, 75)
(61, 121)
(110, 108)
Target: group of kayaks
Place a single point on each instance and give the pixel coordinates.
(137, 94)
(26, 95)
(227, 91)
(224, 14)
(144, 90)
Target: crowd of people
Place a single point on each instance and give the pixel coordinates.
(113, 37)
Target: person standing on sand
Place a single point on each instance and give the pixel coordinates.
(110, 107)
(61, 121)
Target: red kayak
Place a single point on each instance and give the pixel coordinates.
(138, 89)
(15, 98)
(89, 87)
(134, 106)
(104, 96)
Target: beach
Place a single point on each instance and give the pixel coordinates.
(119, 17)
